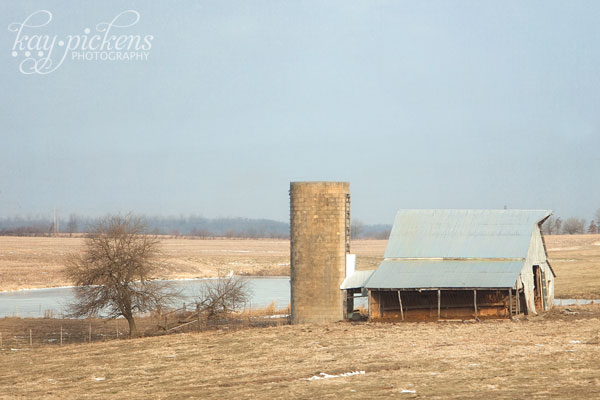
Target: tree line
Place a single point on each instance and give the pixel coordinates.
(191, 225)
(571, 226)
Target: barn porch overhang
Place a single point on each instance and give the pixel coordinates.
(438, 288)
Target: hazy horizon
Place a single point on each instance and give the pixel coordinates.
(417, 104)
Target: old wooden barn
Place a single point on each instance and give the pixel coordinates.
(459, 264)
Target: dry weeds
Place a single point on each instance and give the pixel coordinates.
(550, 356)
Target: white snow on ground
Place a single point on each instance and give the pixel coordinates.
(277, 316)
(323, 375)
(99, 379)
(574, 341)
(408, 391)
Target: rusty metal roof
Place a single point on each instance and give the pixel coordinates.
(423, 274)
(462, 233)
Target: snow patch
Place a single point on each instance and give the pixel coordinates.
(277, 316)
(323, 375)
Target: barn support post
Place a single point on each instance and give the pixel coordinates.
(439, 303)
(475, 301)
(518, 294)
(510, 310)
(348, 304)
(400, 301)
(369, 300)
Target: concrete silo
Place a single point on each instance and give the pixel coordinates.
(320, 240)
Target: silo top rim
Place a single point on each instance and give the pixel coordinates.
(341, 183)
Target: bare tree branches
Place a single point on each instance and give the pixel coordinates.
(574, 225)
(113, 275)
(223, 295)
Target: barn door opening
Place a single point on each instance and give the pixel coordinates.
(544, 289)
(537, 288)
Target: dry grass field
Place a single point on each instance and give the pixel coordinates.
(551, 355)
(554, 355)
(576, 262)
(33, 262)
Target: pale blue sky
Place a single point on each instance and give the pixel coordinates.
(418, 104)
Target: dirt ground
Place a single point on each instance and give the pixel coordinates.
(37, 262)
(554, 355)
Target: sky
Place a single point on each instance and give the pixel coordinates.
(435, 104)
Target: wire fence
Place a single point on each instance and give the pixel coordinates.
(18, 333)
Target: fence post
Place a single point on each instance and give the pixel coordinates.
(199, 327)
(1, 347)
(90, 335)
(61, 335)
(117, 326)
(30, 339)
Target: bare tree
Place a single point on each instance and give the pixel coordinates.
(558, 225)
(548, 226)
(113, 275)
(598, 217)
(223, 295)
(382, 234)
(552, 226)
(574, 225)
(593, 228)
(72, 224)
(357, 229)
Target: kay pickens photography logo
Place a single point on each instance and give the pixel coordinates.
(43, 53)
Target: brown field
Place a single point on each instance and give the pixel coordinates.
(554, 355)
(551, 355)
(33, 262)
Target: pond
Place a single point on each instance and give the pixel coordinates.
(37, 302)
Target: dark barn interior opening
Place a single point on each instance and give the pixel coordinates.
(444, 304)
